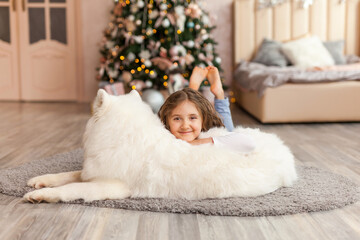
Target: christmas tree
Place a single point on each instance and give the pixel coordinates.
(156, 43)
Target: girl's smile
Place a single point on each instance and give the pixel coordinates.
(185, 121)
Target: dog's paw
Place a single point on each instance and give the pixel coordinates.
(42, 195)
(40, 182)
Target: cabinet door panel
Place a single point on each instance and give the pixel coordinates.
(48, 51)
(9, 71)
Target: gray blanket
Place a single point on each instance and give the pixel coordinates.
(257, 77)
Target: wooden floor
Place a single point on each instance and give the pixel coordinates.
(29, 131)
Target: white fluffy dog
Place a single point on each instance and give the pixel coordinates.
(129, 153)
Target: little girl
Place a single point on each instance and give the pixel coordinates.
(186, 113)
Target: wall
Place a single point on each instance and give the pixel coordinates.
(222, 10)
(96, 15)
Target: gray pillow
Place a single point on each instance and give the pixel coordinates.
(336, 50)
(270, 54)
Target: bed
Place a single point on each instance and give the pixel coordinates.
(334, 100)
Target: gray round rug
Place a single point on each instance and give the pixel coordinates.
(316, 190)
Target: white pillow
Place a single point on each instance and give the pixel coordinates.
(307, 52)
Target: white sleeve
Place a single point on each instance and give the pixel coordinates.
(236, 142)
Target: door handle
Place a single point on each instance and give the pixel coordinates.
(14, 5)
(23, 5)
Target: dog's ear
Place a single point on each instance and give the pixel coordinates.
(101, 101)
(135, 94)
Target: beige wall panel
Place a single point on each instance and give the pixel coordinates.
(282, 22)
(263, 25)
(318, 19)
(336, 20)
(244, 35)
(300, 20)
(352, 31)
(95, 17)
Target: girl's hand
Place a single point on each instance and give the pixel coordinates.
(201, 141)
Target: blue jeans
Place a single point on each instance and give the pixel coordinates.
(222, 106)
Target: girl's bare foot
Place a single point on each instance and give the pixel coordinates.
(196, 78)
(215, 82)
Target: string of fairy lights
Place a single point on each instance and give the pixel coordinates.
(142, 67)
(141, 63)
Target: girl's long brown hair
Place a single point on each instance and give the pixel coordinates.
(210, 117)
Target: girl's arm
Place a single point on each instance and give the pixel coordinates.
(238, 142)
(202, 141)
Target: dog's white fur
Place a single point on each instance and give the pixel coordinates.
(129, 153)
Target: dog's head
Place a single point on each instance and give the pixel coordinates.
(119, 125)
(109, 104)
(124, 111)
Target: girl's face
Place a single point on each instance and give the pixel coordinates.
(185, 121)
